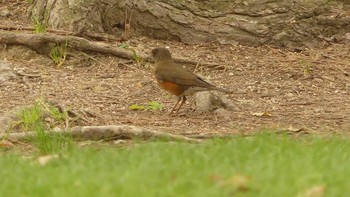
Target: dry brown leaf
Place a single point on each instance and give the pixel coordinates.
(262, 114)
(6, 144)
(295, 130)
(216, 178)
(43, 160)
(292, 130)
(315, 191)
(239, 182)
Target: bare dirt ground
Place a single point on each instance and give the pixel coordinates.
(308, 90)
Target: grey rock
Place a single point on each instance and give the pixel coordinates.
(6, 71)
(209, 101)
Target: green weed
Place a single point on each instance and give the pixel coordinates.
(41, 23)
(52, 142)
(40, 26)
(138, 59)
(31, 118)
(123, 46)
(45, 139)
(307, 68)
(58, 53)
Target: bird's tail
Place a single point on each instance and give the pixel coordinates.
(222, 90)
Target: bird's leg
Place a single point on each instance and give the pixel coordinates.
(178, 100)
(183, 101)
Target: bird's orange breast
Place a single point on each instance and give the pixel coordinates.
(171, 87)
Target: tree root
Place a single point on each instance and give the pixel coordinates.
(107, 132)
(41, 44)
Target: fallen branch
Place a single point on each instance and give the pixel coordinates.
(107, 132)
(40, 43)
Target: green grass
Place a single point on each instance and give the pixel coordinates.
(31, 119)
(41, 22)
(58, 53)
(39, 25)
(138, 59)
(272, 166)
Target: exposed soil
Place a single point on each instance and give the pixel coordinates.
(309, 90)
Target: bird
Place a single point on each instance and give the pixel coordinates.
(175, 79)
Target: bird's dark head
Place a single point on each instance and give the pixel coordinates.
(160, 54)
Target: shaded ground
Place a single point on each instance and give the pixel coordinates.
(307, 90)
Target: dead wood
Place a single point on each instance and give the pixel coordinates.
(41, 44)
(107, 132)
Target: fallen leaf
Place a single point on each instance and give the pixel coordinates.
(292, 130)
(87, 143)
(136, 107)
(119, 142)
(239, 182)
(154, 105)
(216, 178)
(43, 160)
(315, 191)
(295, 130)
(6, 144)
(262, 114)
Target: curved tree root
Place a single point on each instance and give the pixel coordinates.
(41, 44)
(107, 132)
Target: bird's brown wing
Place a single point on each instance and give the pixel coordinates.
(176, 74)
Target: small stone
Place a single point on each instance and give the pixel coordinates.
(116, 142)
(318, 80)
(290, 94)
(5, 13)
(208, 101)
(6, 71)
